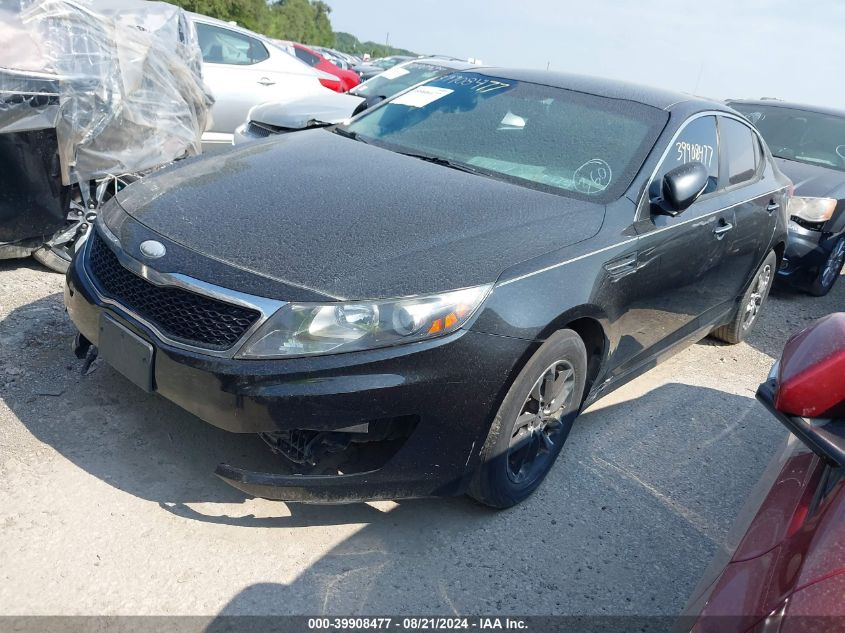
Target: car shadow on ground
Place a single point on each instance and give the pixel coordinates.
(789, 311)
(134, 441)
(623, 525)
(22, 262)
(641, 485)
(139, 442)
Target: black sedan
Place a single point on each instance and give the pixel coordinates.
(808, 143)
(492, 252)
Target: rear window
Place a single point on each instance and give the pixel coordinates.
(558, 140)
(307, 57)
(808, 137)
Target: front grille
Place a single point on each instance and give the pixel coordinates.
(181, 315)
(253, 129)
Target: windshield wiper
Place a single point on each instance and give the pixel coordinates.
(347, 134)
(445, 162)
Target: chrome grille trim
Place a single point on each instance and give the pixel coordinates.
(266, 307)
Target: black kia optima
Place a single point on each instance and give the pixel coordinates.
(421, 301)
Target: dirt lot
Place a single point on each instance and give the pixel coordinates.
(108, 504)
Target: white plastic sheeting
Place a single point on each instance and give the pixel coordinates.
(119, 80)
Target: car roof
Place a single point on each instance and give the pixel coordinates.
(611, 88)
(439, 61)
(199, 17)
(777, 103)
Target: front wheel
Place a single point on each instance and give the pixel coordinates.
(751, 304)
(533, 422)
(829, 272)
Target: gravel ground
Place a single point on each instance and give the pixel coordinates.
(108, 504)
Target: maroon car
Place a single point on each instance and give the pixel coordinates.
(788, 562)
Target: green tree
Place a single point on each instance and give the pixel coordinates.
(251, 14)
(323, 33)
(348, 43)
(307, 21)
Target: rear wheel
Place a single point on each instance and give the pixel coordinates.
(750, 305)
(829, 272)
(533, 422)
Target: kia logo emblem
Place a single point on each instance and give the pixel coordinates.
(152, 249)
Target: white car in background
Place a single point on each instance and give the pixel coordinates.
(243, 69)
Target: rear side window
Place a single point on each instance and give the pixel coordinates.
(739, 149)
(697, 142)
(308, 58)
(222, 46)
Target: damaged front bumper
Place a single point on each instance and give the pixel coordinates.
(401, 422)
(806, 251)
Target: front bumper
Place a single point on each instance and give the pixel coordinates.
(806, 252)
(452, 386)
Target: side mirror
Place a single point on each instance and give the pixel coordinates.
(806, 389)
(811, 376)
(681, 187)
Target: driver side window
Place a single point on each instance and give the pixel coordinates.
(698, 141)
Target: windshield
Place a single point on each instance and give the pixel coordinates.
(387, 62)
(800, 135)
(558, 140)
(397, 79)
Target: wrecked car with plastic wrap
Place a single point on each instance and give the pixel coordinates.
(93, 95)
(518, 245)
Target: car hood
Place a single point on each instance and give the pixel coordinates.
(331, 107)
(321, 213)
(813, 180)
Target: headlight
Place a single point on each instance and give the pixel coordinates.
(300, 329)
(811, 209)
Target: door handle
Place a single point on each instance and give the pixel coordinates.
(264, 81)
(723, 228)
(773, 206)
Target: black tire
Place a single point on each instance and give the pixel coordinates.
(508, 473)
(829, 271)
(56, 260)
(751, 304)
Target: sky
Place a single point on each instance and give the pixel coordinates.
(716, 48)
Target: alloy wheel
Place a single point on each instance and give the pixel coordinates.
(538, 431)
(759, 288)
(833, 264)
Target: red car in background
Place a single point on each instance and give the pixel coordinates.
(787, 571)
(348, 78)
